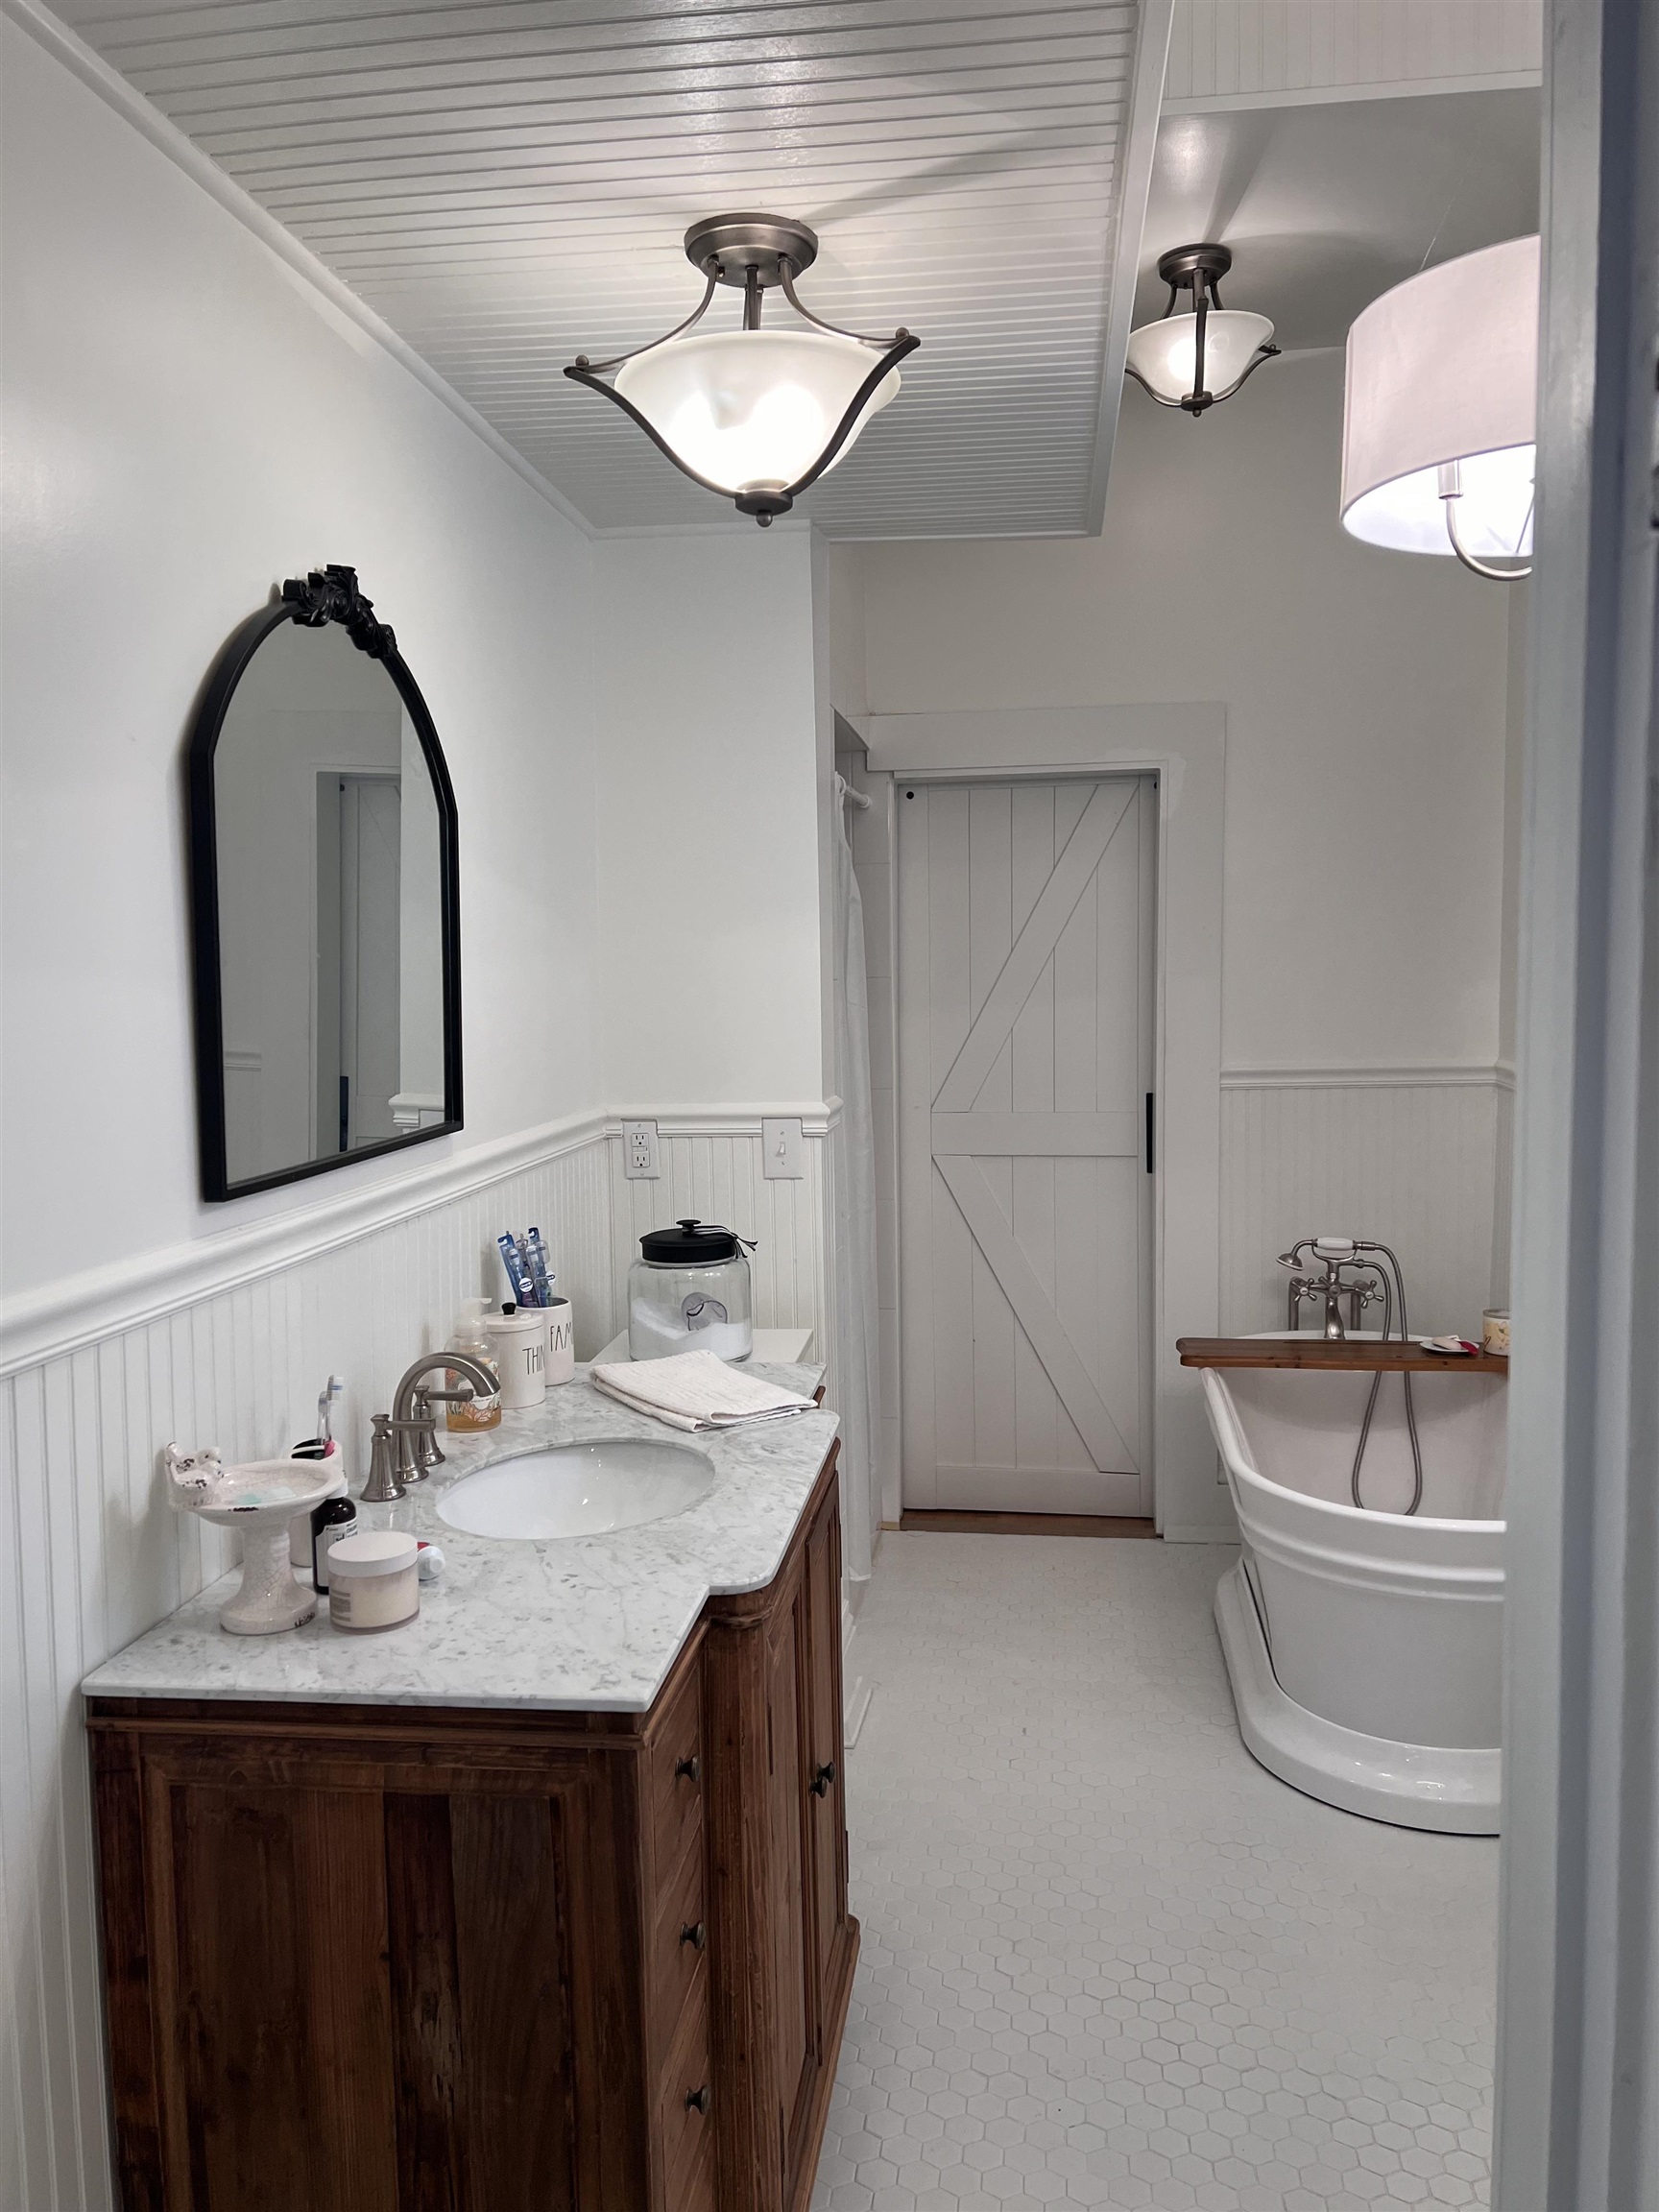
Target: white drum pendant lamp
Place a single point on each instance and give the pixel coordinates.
(753, 415)
(1438, 422)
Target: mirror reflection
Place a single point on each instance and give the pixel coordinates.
(330, 908)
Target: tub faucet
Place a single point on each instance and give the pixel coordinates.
(1348, 1278)
(405, 1441)
(1387, 1283)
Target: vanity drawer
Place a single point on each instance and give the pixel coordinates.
(684, 2127)
(678, 1948)
(674, 1776)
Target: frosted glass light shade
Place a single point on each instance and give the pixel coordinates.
(747, 409)
(1444, 368)
(1165, 354)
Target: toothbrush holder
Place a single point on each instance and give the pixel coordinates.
(518, 1355)
(561, 1341)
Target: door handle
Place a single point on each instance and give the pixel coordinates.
(822, 1780)
(695, 1933)
(688, 1769)
(697, 2099)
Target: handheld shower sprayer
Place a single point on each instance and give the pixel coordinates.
(1357, 1271)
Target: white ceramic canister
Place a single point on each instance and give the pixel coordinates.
(518, 1343)
(561, 1341)
(373, 1581)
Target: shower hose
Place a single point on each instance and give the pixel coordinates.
(1391, 1289)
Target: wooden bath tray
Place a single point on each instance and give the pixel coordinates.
(1351, 1357)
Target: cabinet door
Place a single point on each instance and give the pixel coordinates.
(385, 1982)
(826, 1757)
(795, 2013)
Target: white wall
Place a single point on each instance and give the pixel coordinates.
(1365, 709)
(1365, 698)
(186, 424)
(708, 823)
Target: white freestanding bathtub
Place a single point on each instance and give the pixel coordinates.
(1363, 1645)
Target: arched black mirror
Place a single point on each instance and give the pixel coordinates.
(326, 898)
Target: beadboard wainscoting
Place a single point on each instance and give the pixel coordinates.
(228, 1342)
(712, 1169)
(1417, 1158)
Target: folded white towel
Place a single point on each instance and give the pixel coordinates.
(696, 1390)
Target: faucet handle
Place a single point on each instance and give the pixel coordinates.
(427, 1453)
(383, 1486)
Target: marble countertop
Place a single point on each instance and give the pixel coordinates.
(580, 1624)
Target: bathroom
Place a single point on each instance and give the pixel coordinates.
(282, 295)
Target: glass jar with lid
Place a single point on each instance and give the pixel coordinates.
(689, 1292)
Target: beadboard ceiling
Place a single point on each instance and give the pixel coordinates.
(507, 183)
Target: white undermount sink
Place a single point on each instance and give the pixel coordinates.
(580, 1489)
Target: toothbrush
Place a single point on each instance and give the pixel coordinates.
(322, 1444)
(333, 1388)
(542, 1275)
(518, 1275)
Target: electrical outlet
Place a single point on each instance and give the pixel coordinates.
(639, 1151)
(783, 1151)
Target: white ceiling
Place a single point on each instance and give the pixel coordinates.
(507, 183)
(1327, 206)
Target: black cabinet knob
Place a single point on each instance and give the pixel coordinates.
(695, 1933)
(824, 1777)
(697, 2099)
(691, 1767)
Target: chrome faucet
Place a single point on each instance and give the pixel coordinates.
(405, 1441)
(1344, 1283)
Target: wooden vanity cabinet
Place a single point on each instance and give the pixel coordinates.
(778, 1867)
(388, 1958)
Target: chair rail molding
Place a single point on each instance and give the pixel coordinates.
(77, 1310)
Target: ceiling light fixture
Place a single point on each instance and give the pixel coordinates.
(1178, 357)
(1440, 415)
(754, 414)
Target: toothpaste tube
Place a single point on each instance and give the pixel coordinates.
(518, 1269)
(541, 1273)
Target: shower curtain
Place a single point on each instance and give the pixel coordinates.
(857, 1298)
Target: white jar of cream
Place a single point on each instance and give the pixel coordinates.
(373, 1581)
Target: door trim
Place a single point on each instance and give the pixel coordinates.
(1185, 747)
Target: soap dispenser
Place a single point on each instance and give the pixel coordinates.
(470, 1415)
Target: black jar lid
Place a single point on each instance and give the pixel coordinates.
(688, 1244)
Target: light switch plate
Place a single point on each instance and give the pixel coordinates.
(640, 1152)
(783, 1151)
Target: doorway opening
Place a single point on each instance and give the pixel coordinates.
(1026, 1026)
(359, 926)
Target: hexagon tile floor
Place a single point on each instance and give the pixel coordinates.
(1107, 1959)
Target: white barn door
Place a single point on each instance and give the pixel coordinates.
(1025, 1029)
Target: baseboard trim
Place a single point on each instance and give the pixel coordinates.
(945, 1522)
(62, 1317)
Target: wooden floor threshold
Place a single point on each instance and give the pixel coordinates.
(1025, 1525)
